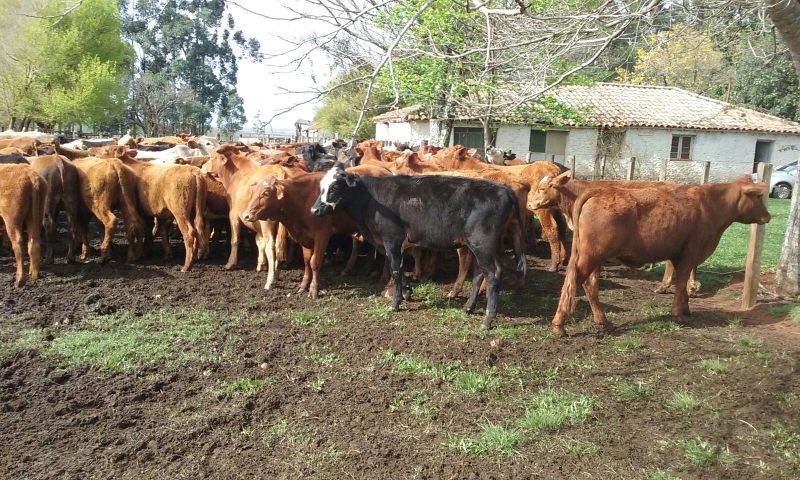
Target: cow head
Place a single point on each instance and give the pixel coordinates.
(750, 207)
(264, 193)
(548, 191)
(316, 157)
(334, 191)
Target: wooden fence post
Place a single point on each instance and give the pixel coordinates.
(603, 167)
(596, 171)
(753, 265)
(528, 157)
(705, 172)
(571, 164)
(631, 168)
(662, 176)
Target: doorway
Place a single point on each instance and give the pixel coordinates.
(763, 153)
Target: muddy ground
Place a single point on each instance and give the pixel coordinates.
(141, 371)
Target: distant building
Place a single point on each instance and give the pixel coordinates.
(650, 123)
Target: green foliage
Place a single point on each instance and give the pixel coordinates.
(552, 410)
(705, 454)
(340, 110)
(491, 440)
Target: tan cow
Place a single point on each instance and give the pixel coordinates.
(236, 173)
(26, 144)
(638, 226)
(22, 199)
(106, 184)
(63, 193)
(167, 192)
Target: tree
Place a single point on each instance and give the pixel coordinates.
(682, 57)
(190, 43)
(60, 52)
(786, 17)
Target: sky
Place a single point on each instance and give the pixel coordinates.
(259, 84)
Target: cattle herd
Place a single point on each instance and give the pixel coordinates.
(423, 200)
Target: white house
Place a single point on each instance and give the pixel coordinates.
(649, 123)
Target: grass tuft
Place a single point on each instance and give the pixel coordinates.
(683, 402)
(628, 345)
(633, 392)
(551, 410)
(786, 443)
(245, 386)
(713, 366)
(313, 318)
(491, 440)
(750, 341)
(735, 322)
(705, 454)
(662, 475)
(579, 447)
(658, 326)
(790, 311)
(476, 382)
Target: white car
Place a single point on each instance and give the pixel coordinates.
(782, 181)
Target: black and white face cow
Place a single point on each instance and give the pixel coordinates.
(334, 191)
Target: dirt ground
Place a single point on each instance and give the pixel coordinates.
(226, 380)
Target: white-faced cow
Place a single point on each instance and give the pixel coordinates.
(427, 211)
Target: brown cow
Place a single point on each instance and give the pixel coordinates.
(22, 199)
(167, 192)
(63, 193)
(552, 221)
(637, 226)
(217, 208)
(106, 184)
(289, 201)
(236, 173)
(26, 144)
(560, 191)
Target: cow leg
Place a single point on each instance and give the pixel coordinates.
(464, 262)
(394, 256)
(550, 232)
(431, 264)
(15, 238)
(109, 221)
(269, 244)
(163, 232)
(307, 253)
(351, 262)
(477, 279)
(236, 224)
(669, 270)
(416, 253)
(72, 225)
(680, 303)
(48, 224)
(489, 266)
(693, 287)
(516, 232)
(34, 226)
(81, 228)
(320, 245)
(261, 249)
(592, 288)
(189, 234)
(577, 273)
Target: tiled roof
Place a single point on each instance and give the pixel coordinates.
(624, 105)
(407, 114)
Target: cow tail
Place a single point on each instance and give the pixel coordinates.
(522, 262)
(201, 194)
(127, 181)
(38, 198)
(570, 289)
(280, 243)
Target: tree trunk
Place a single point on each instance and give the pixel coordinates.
(441, 123)
(786, 17)
(12, 123)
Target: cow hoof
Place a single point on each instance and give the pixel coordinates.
(407, 295)
(452, 295)
(552, 268)
(185, 269)
(229, 266)
(485, 326)
(605, 326)
(559, 331)
(21, 282)
(661, 289)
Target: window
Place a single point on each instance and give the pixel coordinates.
(681, 148)
(538, 141)
(549, 145)
(469, 137)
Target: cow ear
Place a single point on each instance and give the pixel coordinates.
(472, 151)
(278, 190)
(350, 179)
(563, 178)
(191, 144)
(757, 189)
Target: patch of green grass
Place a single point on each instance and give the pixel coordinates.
(491, 440)
(786, 443)
(416, 403)
(633, 392)
(476, 382)
(789, 310)
(658, 326)
(326, 360)
(713, 366)
(313, 318)
(705, 454)
(537, 372)
(376, 309)
(289, 434)
(684, 402)
(628, 345)
(425, 292)
(732, 249)
(750, 341)
(552, 410)
(505, 300)
(735, 322)
(245, 386)
(26, 340)
(407, 364)
(124, 341)
(662, 475)
(316, 384)
(579, 447)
